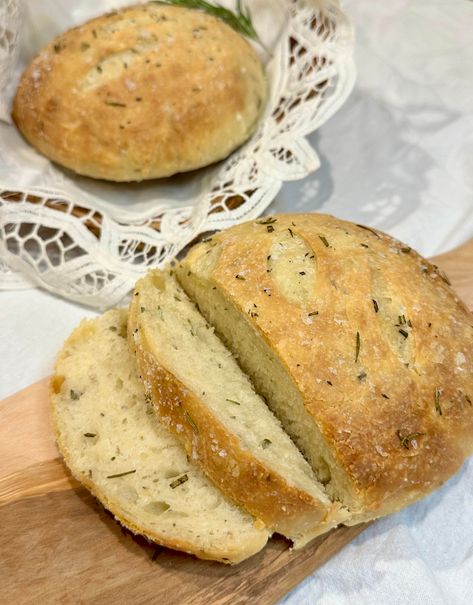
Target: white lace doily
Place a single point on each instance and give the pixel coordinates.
(78, 239)
(10, 20)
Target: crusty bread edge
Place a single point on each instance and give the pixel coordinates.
(224, 556)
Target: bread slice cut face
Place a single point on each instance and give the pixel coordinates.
(204, 398)
(114, 444)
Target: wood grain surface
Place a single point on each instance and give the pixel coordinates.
(458, 265)
(58, 544)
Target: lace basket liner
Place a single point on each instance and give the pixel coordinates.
(67, 247)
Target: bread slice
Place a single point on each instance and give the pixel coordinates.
(359, 345)
(114, 445)
(205, 399)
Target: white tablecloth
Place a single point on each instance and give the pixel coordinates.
(398, 156)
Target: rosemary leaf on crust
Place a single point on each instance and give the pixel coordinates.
(266, 221)
(191, 422)
(115, 104)
(357, 346)
(406, 439)
(370, 230)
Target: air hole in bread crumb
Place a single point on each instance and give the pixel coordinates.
(157, 508)
(172, 473)
(158, 281)
(323, 472)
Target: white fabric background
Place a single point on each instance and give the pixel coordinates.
(398, 156)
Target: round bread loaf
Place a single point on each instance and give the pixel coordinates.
(140, 93)
(359, 345)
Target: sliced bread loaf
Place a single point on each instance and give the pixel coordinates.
(202, 395)
(359, 345)
(114, 445)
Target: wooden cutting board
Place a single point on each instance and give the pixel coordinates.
(58, 545)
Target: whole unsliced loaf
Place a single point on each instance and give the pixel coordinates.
(357, 343)
(205, 399)
(143, 92)
(114, 445)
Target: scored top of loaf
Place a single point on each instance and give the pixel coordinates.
(371, 334)
(140, 93)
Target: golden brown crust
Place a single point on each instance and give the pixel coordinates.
(140, 93)
(239, 474)
(393, 403)
(224, 555)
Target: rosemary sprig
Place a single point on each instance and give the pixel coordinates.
(239, 19)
